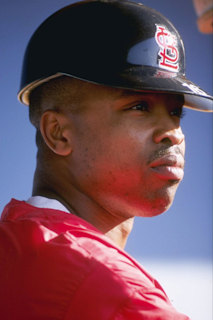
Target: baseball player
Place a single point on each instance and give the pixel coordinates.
(105, 84)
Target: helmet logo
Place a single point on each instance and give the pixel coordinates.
(168, 53)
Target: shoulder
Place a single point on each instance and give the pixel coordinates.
(55, 259)
(67, 269)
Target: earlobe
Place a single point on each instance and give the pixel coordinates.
(56, 133)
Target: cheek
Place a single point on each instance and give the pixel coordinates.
(111, 154)
(111, 168)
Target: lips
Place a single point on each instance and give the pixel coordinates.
(169, 167)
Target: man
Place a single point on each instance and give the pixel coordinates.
(105, 85)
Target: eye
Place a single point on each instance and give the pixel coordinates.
(178, 112)
(142, 106)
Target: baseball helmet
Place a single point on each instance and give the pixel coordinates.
(121, 44)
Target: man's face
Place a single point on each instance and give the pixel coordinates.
(128, 150)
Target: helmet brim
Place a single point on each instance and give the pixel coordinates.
(138, 80)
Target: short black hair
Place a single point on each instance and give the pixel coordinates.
(52, 95)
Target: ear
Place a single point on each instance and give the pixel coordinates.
(55, 129)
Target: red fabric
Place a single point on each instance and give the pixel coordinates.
(54, 265)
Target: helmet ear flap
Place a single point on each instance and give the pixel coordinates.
(121, 44)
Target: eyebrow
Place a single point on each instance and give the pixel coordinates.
(130, 93)
(125, 93)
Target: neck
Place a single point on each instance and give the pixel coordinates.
(120, 233)
(115, 228)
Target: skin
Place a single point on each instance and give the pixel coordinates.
(97, 159)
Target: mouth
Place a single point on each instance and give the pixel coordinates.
(169, 167)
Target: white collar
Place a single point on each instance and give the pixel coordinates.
(43, 202)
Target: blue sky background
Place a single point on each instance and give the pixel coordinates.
(182, 233)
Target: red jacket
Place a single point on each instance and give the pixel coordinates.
(54, 265)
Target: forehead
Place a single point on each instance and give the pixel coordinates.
(95, 91)
(82, 95)
(151, 95)
(125, 96)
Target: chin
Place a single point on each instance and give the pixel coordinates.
(157, 209)
(145, 207)
(156, 206)
(148, 203)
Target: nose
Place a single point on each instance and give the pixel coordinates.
(168, 131)
(173, 136)
(166, 114)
